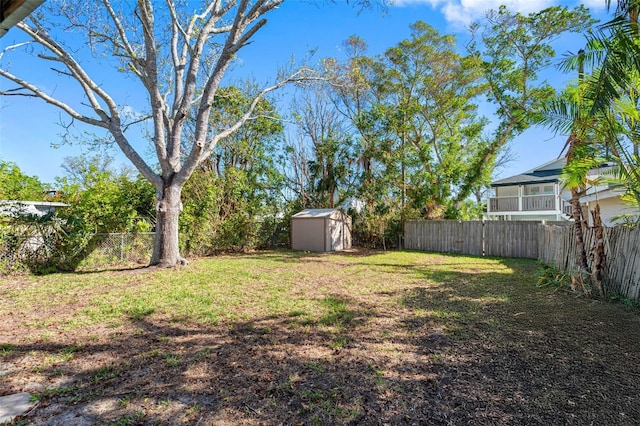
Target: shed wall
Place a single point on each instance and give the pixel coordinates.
(308, 234)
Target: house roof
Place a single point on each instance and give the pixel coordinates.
(33, 203)
(548, 172)
(533, 176)
(12, 207)
(544, 173)
(601, 195)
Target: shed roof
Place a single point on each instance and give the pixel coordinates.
(318, 213)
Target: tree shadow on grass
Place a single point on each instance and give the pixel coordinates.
(521, 355)
(270, 370)
(266, 371)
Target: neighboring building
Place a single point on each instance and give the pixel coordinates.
(35, 238)
(611, 205)
(36, 208)
(539, 194)
(321, 230)
(534, 195)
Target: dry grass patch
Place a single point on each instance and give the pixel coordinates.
(287, 337)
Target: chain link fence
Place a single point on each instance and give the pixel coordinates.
(119, 248)
(40, 251)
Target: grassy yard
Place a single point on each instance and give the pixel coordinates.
(294, 338)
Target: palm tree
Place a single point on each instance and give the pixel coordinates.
(571, 113)
(614, 90)
(616, 52)
(566, 114)
(601, 114)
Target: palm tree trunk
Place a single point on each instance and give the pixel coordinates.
(577, 210)
(597, 274)
(579, 230)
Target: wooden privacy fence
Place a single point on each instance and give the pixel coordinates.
(622, 252)
(511, 239)
(552, 244)
(447, 236)
(496, 238)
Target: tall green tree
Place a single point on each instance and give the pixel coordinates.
(616, 53)
(623, 144)
(374, 208)
(15, 185)
(174, 53)
(569, 114)
(239, 184)
(587, 147)
(570, 111)
(613, 50)
(514, 49)
(428, 121)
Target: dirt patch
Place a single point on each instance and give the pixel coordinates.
(437, 345)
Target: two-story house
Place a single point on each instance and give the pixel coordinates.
(539, 194)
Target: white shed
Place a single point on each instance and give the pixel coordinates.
(321, 230)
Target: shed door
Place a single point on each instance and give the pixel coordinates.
(335, 235)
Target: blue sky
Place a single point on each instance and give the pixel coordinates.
(28, 127)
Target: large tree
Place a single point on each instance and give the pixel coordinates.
(613, 50)
(176, 52)
(431, 132)
(571, 114)
(515, 49)
(616, 53)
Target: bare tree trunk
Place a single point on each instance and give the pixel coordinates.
(597, 273)
(166, 252)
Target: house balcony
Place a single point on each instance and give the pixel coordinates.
(529, 203)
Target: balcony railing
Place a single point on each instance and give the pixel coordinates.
(530, 203)
(503, 204)
(538, 202)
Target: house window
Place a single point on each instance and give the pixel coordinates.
(533, 190)
(507, 191)
(539, 190)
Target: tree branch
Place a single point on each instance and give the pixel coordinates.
(150, 81)
(37, 92)
(201, 150)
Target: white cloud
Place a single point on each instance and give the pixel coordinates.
(463, 12)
